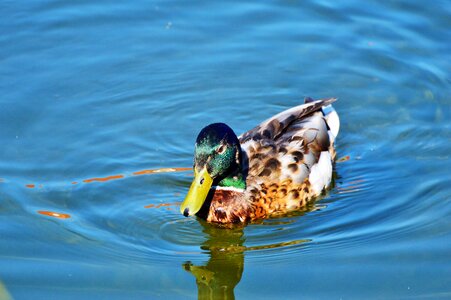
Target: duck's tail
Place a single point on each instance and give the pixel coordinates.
(332, 119)
(331, 116)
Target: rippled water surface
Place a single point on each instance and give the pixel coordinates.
(100, 106)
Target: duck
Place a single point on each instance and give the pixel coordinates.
(280, 166)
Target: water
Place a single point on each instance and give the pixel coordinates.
(94, 90)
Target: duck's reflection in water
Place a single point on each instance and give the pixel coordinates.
(218, 278)
(4, 295)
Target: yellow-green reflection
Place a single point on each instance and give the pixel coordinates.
(4, 295)
(218, 278)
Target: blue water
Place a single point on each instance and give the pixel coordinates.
(99, 89)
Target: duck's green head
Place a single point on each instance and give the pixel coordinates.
(217, 157)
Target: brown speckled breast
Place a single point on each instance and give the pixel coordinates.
(225, 206)
(258, 202)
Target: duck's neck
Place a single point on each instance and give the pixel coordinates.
(234, 179)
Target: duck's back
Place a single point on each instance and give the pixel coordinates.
(290, 156)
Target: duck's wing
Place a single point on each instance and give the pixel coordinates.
(275, 126)
(294, 145)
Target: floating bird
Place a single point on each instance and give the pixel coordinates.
(279, 166)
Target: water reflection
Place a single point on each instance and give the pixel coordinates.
(218, 278)
(113, 177)
(4, 295)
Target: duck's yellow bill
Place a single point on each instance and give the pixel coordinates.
(197, 193)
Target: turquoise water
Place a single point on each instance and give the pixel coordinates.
(104, 90)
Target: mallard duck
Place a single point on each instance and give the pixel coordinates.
(277, 167)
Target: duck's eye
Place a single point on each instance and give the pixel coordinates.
(221, 149)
